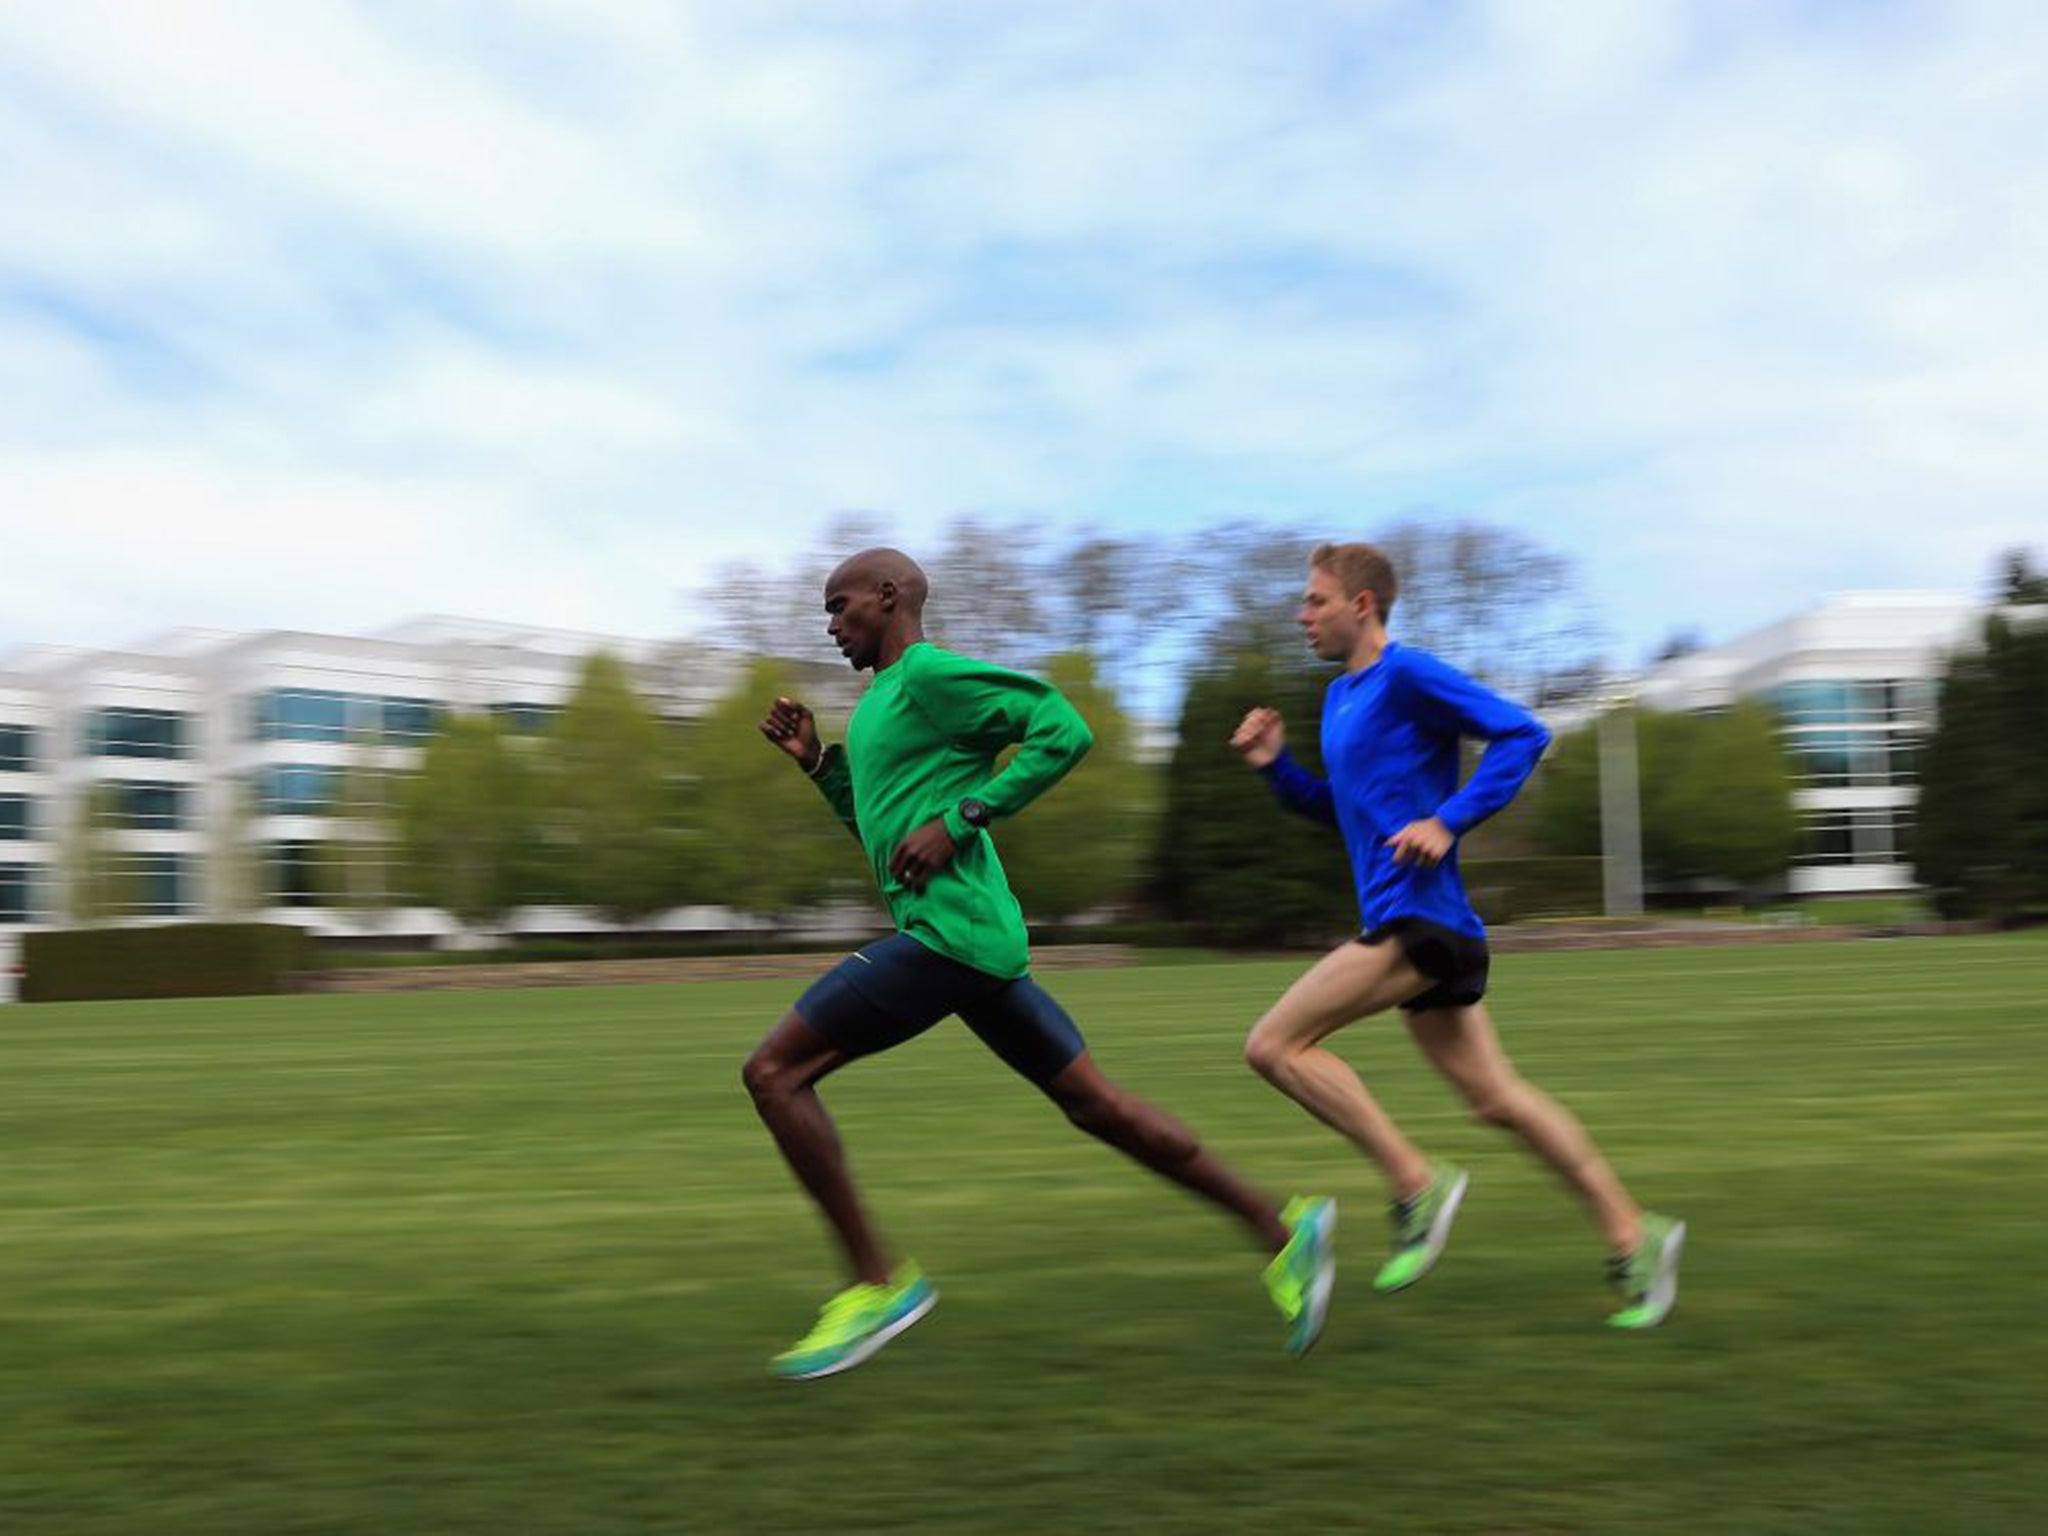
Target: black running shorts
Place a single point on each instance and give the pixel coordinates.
(1455, 963)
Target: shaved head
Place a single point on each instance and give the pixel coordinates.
(874, 605)
(872, 567)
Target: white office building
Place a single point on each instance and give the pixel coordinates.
(218, 756)
(1854, 683)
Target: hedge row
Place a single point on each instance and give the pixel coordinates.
(176, 960)
(1511, 890)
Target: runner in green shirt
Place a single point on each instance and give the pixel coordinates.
(917, 783)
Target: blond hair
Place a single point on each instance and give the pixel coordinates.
(1360, 568)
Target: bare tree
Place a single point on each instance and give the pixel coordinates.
(1492, 602)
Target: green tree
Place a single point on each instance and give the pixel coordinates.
(234, 884)
(469, 822)
(1564, 795)
(1086, 842)
(1493, 602)
(1229, 858)
(761, 838)
(1981, 829)
(1716, 796)
(358, 868)
(611, 824)
(1720, 806)
(2021, 580)
(97, 882)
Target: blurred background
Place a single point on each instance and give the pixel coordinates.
(372, 370)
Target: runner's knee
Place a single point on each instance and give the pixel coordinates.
(1097, 1110)
(761, 1075)
(769, 1075)
(1266, 1054)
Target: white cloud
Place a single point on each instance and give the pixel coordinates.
(319, 313)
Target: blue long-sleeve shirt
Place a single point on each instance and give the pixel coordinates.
(1390, 743)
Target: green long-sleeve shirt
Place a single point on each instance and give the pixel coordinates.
(924, 737)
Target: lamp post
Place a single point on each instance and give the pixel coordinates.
(1621, 824)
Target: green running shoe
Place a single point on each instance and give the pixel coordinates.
(1303, 1273)
(856, 1323)
(1648, 1278)
(1422, 1225)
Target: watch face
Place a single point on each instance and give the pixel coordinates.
(974, 813)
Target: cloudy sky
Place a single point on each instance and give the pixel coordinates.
(321, 315)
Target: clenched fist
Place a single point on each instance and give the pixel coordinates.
(1260, 737)
(792, 727)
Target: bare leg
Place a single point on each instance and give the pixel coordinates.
(1461, 1044)
(1151, 1136)
(1285, 1048)
(782, 1075)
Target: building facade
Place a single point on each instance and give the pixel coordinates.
(217, 760)
(1853, 682)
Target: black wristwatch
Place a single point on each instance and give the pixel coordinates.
(975, 814)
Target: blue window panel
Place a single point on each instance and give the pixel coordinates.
(17, 749)
(17, 818)
(19, 893)
(136, 733)
(150, 805)
(302, 714)
(410, 719)
(295, 789)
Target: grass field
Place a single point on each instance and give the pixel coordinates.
(514, 1262)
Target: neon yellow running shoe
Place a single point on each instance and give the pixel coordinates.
(1648, 1278)
(856, 1323)
(1422, 1225)
(1302, 1274)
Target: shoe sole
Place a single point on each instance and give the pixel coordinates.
(867, 1346)
(1439, 1234)
(1315, 1302)
(1664, 1289)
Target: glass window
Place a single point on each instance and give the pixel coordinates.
(18, 893)
(295, 789)
(149, 805)
(17, 818)
(1814, 703)
(1845, 759)
(1829, 838)
(291, 874)
(17, 749)
(527, 719)
(302, 714)
(1857, 837)
(1828, 759)
(1817, 702)
(155, 884)
(409, 720)
(1914, 699)
(1873, 834)
(136, 733)
(319, 714)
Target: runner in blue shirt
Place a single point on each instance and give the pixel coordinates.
(1392, 724)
